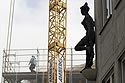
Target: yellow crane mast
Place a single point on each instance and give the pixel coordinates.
(57, 41)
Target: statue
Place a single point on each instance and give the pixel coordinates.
(88, 41)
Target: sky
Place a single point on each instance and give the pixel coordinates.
(30, 24)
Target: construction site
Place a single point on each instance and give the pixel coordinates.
(56, 64)
(16, 68)
(99, 57)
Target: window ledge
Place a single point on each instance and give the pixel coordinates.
(117, 3)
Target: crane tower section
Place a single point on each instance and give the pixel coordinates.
(57, 41)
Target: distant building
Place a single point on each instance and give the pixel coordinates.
(110, 44)
(75, 75)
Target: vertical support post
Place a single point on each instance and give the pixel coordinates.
(15, 67)
(37, 65)
(71, 65)
(43, 67)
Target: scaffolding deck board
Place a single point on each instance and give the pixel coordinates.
(23, 75)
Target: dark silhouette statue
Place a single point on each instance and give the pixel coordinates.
(88, 41)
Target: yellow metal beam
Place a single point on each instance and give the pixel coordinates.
(57, 37)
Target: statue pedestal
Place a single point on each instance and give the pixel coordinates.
(89, 74)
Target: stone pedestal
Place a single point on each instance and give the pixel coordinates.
(89, 74)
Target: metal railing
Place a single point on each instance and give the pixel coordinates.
(18, 59)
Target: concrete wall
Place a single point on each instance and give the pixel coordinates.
(110, 40)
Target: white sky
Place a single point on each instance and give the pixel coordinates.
(30, 27)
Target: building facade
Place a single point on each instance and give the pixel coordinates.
(110, 41)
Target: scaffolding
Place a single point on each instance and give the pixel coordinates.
(16, 68)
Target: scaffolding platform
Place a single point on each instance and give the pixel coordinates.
(19, 76)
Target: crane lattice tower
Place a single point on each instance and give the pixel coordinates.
(57, 41)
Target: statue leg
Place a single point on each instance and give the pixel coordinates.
(81, 45)
(87, 60)
(89, 57)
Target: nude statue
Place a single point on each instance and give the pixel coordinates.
(88, 41)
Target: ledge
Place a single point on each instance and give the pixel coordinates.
(89, 74)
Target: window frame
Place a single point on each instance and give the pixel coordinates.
(123, 69)
(109, 77)
(105, 20)
(117, 2)
(107, 10)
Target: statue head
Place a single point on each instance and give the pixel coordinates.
(84, 9)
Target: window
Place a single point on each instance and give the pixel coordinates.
(109, 78)
(108, 8)
(108, 81)
(112, 78)
(123, 71)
